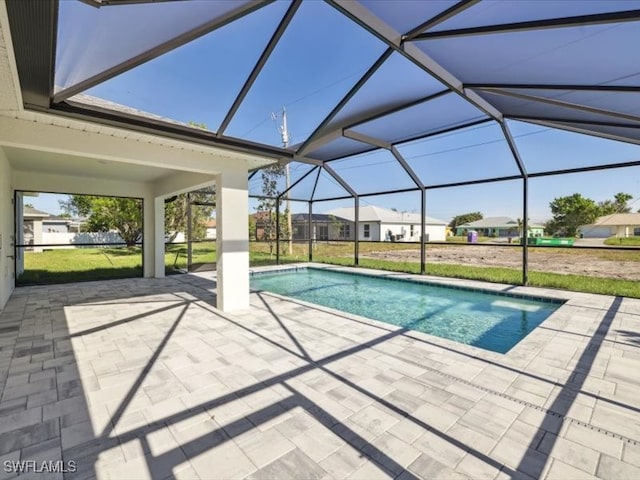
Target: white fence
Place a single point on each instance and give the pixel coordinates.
(75, 240)
(72, 240)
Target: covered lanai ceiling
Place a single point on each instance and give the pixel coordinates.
(367, 84)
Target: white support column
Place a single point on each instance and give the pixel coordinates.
(149, 233)
(159, 237)
(232, 243)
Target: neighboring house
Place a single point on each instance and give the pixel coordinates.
(260, 220)
(210, 226)
(617, 224)
(378, 224)
(323, 227)
(498, 227)
(51, 231)
(55, 224)
(32, 226)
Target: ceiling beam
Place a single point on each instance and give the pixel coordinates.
(563, 22)
(161, 49)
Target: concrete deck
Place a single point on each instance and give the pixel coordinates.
(144, 378)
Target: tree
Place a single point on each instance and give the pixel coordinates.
(108, 213)
(266, 208)
(570, 212)
(176, 212)
(465, 218)
(520, 224)
(617, 205)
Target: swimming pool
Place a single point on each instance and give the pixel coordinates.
(493, 321)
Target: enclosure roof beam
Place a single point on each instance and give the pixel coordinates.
(363, 17)
(578, 20)
(556, 123)
(387, 146)
(514, 149)
(361, 137)
(423, 136)
(407, 168)
(543, 86)
(340, 180)
(298, 181)
(569, 105)
(171, 44)
(368, 116)
(156, 127)
(450, 12)
(319, 131)
(315, 185)
(271, 45)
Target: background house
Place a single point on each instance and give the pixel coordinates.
(617, 224)
(324, 227)
(32, 226)
(498, 227)
(378, 224)
(210, 233)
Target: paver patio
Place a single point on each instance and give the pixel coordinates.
(144, 378)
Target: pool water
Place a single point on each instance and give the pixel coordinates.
(491, 321)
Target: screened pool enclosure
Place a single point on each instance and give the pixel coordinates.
(375, 90)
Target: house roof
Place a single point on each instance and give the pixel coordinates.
(30, 212)
(316, 217)
(211, 223)
(373, 213)
(618, 219)
(495, 222)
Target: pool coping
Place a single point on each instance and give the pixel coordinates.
(519, 355)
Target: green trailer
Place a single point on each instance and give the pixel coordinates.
(551, 241)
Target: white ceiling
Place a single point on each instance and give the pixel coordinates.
(64, 164)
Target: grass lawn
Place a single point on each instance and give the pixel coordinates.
(70, 265)
(576, 283)
(624, 242)
(81, 264)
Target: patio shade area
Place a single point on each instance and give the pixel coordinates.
(145, 378)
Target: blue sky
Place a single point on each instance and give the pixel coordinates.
(198, 82)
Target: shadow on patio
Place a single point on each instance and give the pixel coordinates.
(167, 387)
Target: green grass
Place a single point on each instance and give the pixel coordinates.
(625, 242)
(81, 264)
(576, 283)
(71, 265)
